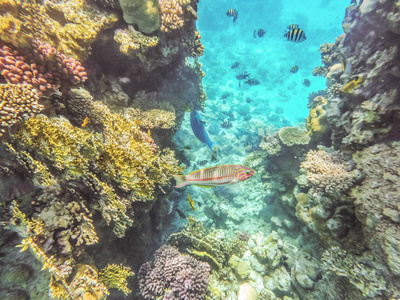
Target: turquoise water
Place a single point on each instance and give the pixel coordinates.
(280, 99)
(269, 58)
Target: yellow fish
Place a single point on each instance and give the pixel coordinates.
(85, 122)
(191, 202)
(348, 88)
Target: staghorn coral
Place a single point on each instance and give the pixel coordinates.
(173, 276)
(18, 102)
(290, 136)
(131, 39)
(114, 276)
(327, 172)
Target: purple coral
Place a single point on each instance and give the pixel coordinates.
(174, 276)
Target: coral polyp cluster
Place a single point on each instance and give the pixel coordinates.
(18, 102)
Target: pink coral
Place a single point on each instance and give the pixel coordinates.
(44, 68)
(174, 276)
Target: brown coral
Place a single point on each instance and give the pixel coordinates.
(327, 171)
(131, 39)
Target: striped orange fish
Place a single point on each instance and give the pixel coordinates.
(215, 176)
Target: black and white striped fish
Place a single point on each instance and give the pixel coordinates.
(292, 26)
(296, 35)
(226, 124)
(294, 69)
(233, 13)
(252, 82)
(235, 65)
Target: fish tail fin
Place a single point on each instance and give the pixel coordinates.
(180, 180)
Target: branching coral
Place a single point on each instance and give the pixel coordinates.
(328, 171)
(316, 122)
(126, 145)
(114, 276)
(173, 276)
(68, 148)
(334, 90)
(18, 102)
(319, 71)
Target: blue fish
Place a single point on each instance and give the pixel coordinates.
(199, 130)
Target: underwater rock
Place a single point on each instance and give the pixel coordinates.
(279, 280)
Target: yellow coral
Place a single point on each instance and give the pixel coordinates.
(114, 276)
(17, 101)
(316, 122)
(153, 118)
(131, 39)
(68, 147)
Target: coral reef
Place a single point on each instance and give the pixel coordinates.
(131, 39)
(173, 276)
(69, 26)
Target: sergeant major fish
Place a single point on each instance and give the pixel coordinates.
(242, 75)
(233, 13)
(294, 69)
(215, 176)
(306, 82)
(260, 33)
(235, 65)
(292, 26)
(296, 35)
(252, 82)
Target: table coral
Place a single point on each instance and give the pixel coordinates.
(327, 171)
(18, 102)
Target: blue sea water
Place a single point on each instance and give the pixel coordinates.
(280, 99)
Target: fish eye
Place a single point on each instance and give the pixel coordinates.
(247, 172)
